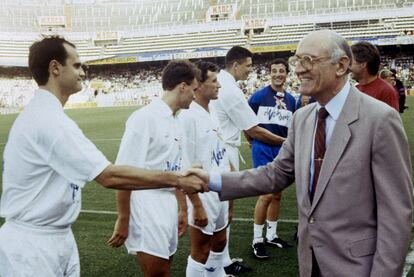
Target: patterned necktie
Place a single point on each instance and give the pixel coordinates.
(319, 148)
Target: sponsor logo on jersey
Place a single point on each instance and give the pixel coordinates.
(218, 154)
(75, 193)
(210, 269)
(174, 165)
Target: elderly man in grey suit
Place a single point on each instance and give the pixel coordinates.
(349, 156)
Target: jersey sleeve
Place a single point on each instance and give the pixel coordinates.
(239, 111)
(75, 157)
(135, 142)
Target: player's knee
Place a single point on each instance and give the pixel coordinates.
(201, 254)
(219, 244)
(266, 199)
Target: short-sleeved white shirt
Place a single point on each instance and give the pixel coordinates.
(204, 139)
(153, 139)
(47, 161)
(232, 109)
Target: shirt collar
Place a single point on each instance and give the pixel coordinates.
(198, 108)
(49, 96)
(161, 107)
(280, 94)
(335, 105)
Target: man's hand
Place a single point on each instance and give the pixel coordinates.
(203, 175)
(200, 216)
(191, 183)
(120, 233)
(182, 223)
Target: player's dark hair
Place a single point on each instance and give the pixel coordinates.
(41, 53)
(280, 61)
(204, 67)
(178, 71)
(237, 54)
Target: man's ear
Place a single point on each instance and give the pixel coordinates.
(343, 66)
(182, 86)
(54, 67)
(235, 64)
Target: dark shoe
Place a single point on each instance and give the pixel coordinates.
(259, 250)
(278, 242)
(236, 267)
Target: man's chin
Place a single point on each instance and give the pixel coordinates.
(76, 90)
(186, 107)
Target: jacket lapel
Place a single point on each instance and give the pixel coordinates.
(305, 144)
(339, 140)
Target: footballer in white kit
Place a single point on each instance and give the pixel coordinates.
(153, 139)
(205, 146)
(208, 217)
(48, 160)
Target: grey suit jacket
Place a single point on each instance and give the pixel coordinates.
(359, 222)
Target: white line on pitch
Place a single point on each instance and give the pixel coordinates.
(235, 219)
(409, 261)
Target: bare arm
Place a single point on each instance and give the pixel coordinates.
(248, 138)
(120, 233)
(182, 212)
(123, 177)
(231, 209)
(264, 135)
(199, 214)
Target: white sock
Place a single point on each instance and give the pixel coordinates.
(271, 231)
(214, 265)
(226, 255)
(257, 233)
(194, 268)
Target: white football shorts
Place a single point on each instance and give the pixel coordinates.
(153, 223)
(217, 212)
(234, 154)
(27, 250)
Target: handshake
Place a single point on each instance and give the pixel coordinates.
(193, 180)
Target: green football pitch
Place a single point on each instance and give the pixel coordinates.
(104, 126)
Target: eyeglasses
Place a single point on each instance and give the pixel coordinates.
(306, 61)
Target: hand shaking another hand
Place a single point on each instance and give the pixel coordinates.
(194, 180)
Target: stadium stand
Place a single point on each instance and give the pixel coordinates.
(144, 33)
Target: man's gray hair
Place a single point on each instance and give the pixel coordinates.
(340, 48)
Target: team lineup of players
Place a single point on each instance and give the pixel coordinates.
(197, 122)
